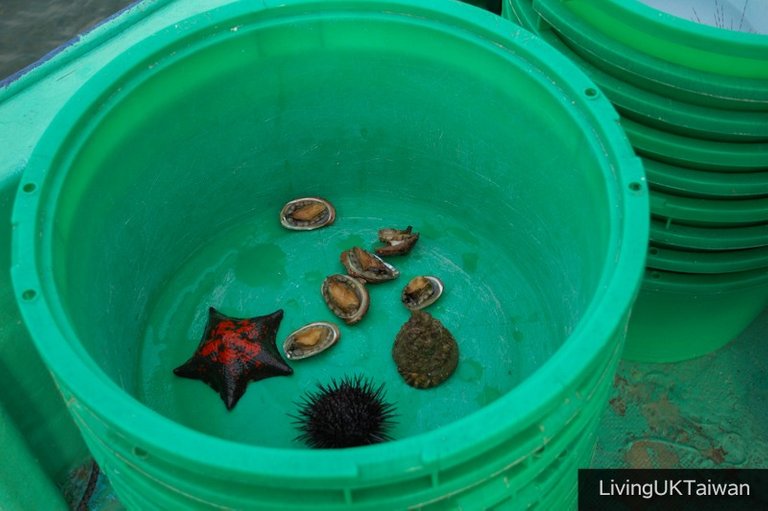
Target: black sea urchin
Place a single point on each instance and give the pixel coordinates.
(346, 413)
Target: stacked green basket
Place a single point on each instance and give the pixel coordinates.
(693, 100)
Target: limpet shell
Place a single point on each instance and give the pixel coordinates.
(307, 213)
(346, 296)
(421, 292)
(425, 352)
(311, 339)
(367, 266)
(398, 242)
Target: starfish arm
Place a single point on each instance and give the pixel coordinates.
(235, 351)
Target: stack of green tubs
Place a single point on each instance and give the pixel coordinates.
(693, 99)
(155, 193)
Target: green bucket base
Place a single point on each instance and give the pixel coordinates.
(682, 316)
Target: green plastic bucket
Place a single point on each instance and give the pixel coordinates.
(690, 261)
(668, 114)
(522, 13)
(155, 194)
(649, 108)
(696, 153)
(709, 212)
(668, 233)
(680, 316)
(665, 54)
(684, 181)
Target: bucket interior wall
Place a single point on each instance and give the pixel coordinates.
(173, 182)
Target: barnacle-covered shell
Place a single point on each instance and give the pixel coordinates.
(310, 340)
(398, 242)
(346, 297)
(367, 266)
(421, 292)
(307, 213)
(425, 352)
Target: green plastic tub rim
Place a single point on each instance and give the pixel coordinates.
(674, 39)
(711, 212)
(669, 233)
(705, 184)
(522, 13)
(725, 261)
(670, 114)
(651, 108)
(697, 63)
(703, 283)
(92, 388)
(696, 153)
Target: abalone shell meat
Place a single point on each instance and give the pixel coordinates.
(310, 340)
(425, 352)
(421, 292)
(398, 242)
(367, 266)
(307, 213)
(346, 297)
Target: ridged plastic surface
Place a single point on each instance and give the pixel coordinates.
(693, 102)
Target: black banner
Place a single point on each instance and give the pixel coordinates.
(674, 490)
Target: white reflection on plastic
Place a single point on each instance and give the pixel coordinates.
(739, 15)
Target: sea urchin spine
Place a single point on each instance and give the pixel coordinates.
(346, 413)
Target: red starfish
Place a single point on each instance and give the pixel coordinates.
(233, 352)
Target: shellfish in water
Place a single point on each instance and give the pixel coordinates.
(398, 242)
(367, 266)
(310, 340)
(346, 297)
(307, 213)
(425, 352)
(421, 292)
